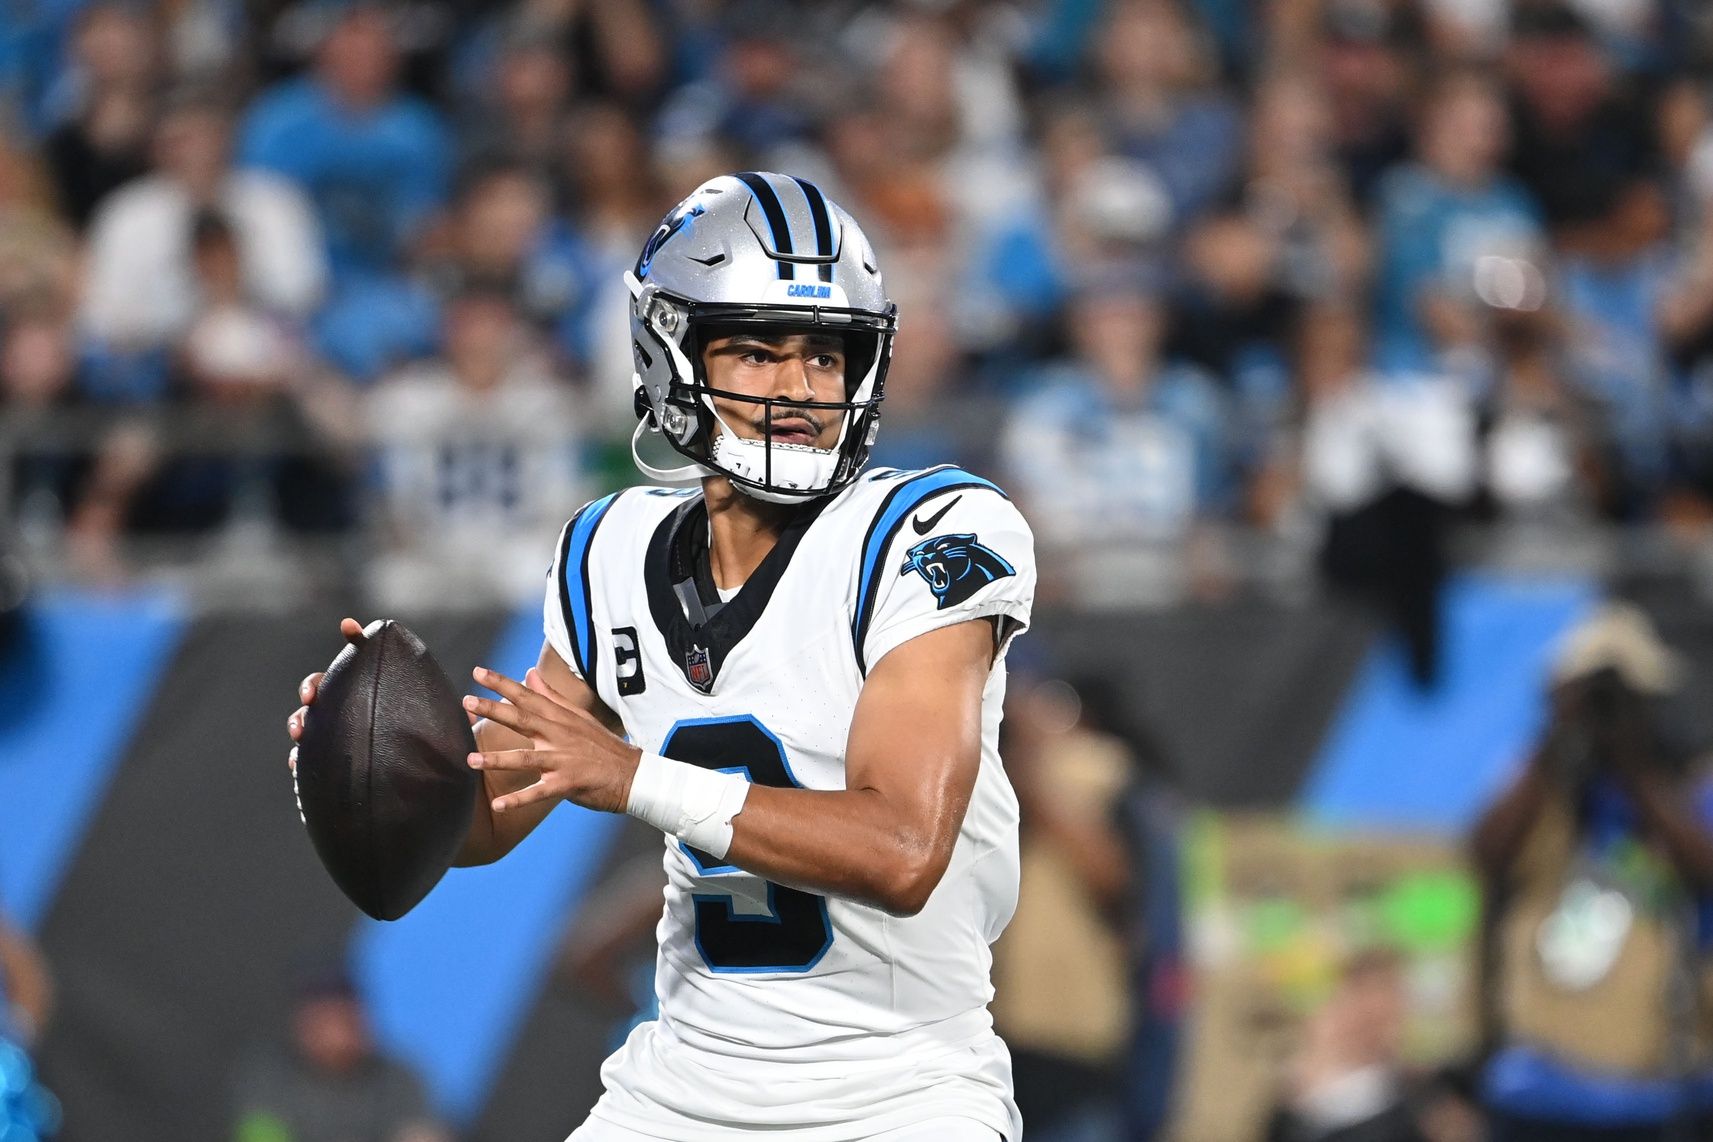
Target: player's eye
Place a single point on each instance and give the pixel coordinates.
(824, 361)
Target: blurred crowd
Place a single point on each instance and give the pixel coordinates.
(323, 270)
(1547, 979)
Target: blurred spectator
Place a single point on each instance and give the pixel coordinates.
(1456, 238)
(1291, 236)
(1613, 283)
(1060, 970)
(1582, 139)
(104, 107)
(1114, 441)
(503, 236)
(1686, 327)
(906, 200)
(758, 97)
(140, 291)
(38, 254)
(26, 988)
(30, 53)
(1598, 862)
(1347, 1082)
(1093, 210)
(520, 71)
(929, 418)
(257, 436)
(1364, 53)
(234, 339)
(1543, 460)
(1151, 818)
(478, 458)
(328, 1083)
(1386, 463)
(616, 47)
(519, 113)
(615, 204)
(38, 379)
(1156, 81)
(374, 162)
(1255, 159)
(27, 1111)
(950, 107)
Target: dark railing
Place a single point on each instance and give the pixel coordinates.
(252, 560)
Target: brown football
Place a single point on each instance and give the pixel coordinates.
(383, 783)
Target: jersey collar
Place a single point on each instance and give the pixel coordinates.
(678, 551)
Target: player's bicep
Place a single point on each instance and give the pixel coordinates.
(916, 735)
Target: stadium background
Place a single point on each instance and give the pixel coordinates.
(1344, 352)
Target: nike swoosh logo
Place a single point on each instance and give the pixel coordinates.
(924, 526)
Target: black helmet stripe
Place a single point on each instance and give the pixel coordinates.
(776, 221)
(823, 226)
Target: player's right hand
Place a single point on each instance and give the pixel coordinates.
(353, 632)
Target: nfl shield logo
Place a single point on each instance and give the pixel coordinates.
(699, 669)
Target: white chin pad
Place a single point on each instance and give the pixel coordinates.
(796, 467)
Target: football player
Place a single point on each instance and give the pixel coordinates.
(794, 669)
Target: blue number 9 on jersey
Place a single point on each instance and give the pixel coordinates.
(797, 931)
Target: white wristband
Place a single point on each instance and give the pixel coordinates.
(695, 805)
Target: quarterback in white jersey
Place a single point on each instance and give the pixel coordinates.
(795, 670)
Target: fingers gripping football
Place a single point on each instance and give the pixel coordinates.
(306, 691)
(574, 756)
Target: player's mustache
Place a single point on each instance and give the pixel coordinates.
(770, 425)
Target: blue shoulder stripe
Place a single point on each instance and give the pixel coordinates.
(894, 510)
(574, 600)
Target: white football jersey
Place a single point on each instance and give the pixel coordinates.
(780, 1008)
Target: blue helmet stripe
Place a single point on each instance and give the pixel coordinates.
(823, 226)
(776, 220)
(574, 596)
(904, 499)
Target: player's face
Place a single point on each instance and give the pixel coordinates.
(794, 367)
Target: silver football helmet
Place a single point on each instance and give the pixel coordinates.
(756, 249)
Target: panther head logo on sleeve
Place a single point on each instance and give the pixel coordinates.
(955, 567)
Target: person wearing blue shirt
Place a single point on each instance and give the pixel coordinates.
(1116, 441)
(1456, 237)
(1598, 863)
(374, 162)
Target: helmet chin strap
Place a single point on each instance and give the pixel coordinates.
(812, 466)
(682, 476)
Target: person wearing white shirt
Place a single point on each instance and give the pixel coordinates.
(140, 291)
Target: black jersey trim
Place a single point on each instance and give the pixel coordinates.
(678, 550)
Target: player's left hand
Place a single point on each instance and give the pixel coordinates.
(574, 756)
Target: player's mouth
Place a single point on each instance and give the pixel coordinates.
(794, 430)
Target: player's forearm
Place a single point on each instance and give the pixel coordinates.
(852, 843)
